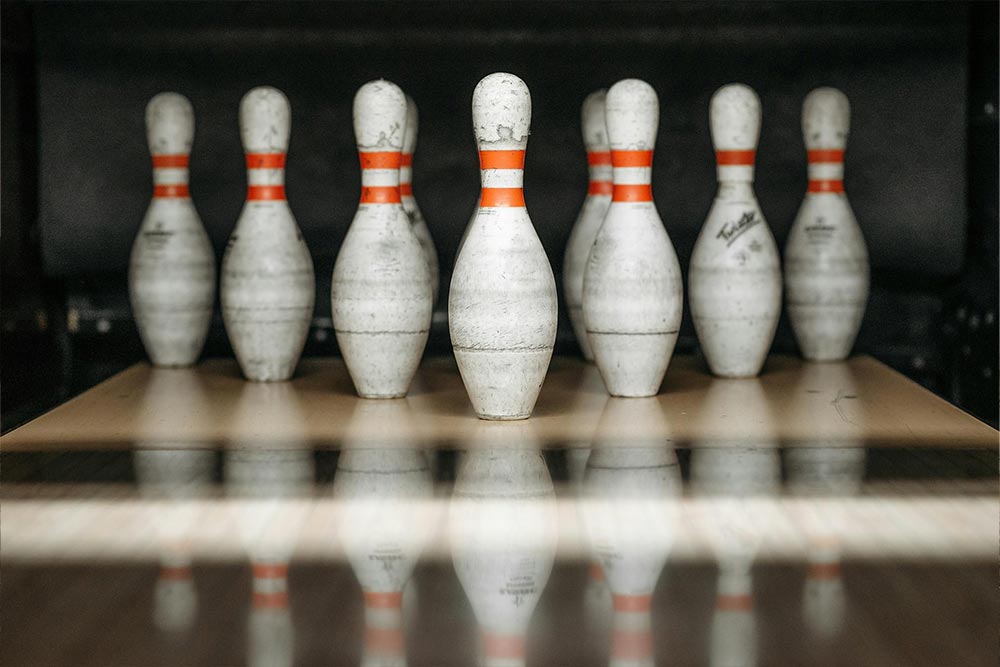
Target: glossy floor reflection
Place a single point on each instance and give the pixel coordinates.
(621, 552)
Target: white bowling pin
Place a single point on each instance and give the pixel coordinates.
(632, 293)
(417, 221)
(588, 221)
(171, 275)
(268, 285)
(502, 304)
(503, 534)
(734, 284)
(826, 261)
(381, 292)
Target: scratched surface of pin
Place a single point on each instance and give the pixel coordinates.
(826, 260)
(734, 282)
(632, 291)
(591, 216)
(172, 265)
(268, 285)
(502, 305)
(381, 290)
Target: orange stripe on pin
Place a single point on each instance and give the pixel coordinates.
(167, 161)
(389, 600)
(632, 158)
(501, 159)
(502, 198)
(380, 194)
(826, 186)
(171, 191)
(265, 193)
(270, 600)
(735, 158)
(265, 160)
(632, 603)
(406, 160)
(503, 646)
(600, 188)
(632, 193)
(825, 155)
(598, 158)
(406, 189)
(380, 160)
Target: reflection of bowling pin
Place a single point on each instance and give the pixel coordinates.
(826, 261)
(268, 285)
(632, 295)
(588, 221)
(733, 637)
(171, 274)
(417, 222)
(503, 534)
(502, 303)
(176, 476)
(383, 492)
(381, 292)
(825, 474)
(734, 282)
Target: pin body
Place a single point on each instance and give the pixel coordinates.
(826, 260)
(417, 222)
(268, 284)
(632, 293)
(735, 275)
(172, 266)
(591, 216)
(502, 302)
(381, 292)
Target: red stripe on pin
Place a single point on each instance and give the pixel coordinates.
(406, 160)
(270, 600)
(826, 186)
(171, 191)
(269, 570)
(632, 603)
(380, 194)
(380, 160)
(600, 188)
(735, 158)
(501, 159)
(503, 646)
(632, 158)
(265, 193)
(406, 189)
(391, 600)
(170, 161)
(598, 158)
(825, 155)
(502, 198)
(631, 193)
(265, 160)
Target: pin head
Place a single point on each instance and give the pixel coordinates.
(826, 119)
(501, 112)
(379, 116)
(169, 124)
(632, 112)
(735, 118)
(265, 121)
(412, 123)
(595, 131)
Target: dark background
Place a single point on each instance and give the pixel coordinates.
(921, 166)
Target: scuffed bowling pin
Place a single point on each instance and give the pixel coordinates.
(502, 303)
(268, 284)
(595, 207)
(826, 261)
(417, 221)
(734, 282)
(171, 276)
(632, 294)
(381, 293)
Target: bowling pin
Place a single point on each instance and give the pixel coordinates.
(268, 284)
(734, 282)
(381, 292)
(417, 222)
(588, 221)
(171, 275)
(826, 261)
(502, 303)
(632, 294)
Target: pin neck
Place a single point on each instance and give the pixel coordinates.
(270, 585)
(380, 177)
(406, 176)
(632, 174)
(383, 623)
(826, 171)
(265, 177)
(735, 165)
(170, 176)
(599, 168)
(502, 174)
